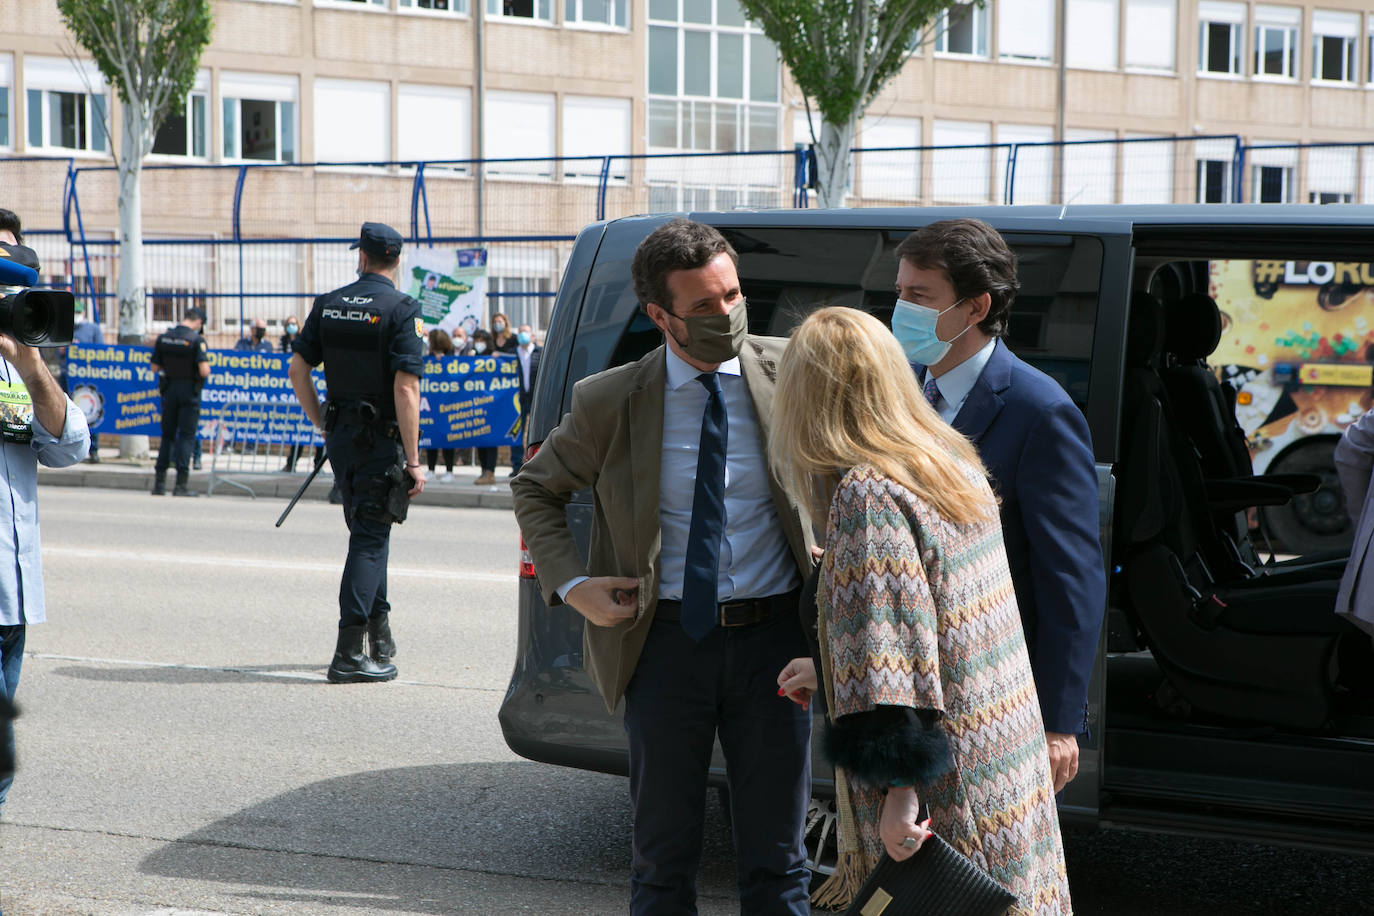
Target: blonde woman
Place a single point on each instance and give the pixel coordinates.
(926, 676)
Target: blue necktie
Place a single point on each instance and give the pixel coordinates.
(699, 601)
(932, 391)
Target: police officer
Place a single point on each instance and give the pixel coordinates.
(371, 339)
(182, 365)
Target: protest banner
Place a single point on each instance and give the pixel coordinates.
(464, 400)
(450, 285)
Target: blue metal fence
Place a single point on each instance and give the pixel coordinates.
(266, 237)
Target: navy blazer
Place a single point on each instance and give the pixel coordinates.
(1035, 444)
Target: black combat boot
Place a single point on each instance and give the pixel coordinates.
(181, 489)
(381, 646)
(350, 665)
(159, 483)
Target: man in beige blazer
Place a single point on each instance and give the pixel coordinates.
(690, 587)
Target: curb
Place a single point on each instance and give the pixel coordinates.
(267, 486)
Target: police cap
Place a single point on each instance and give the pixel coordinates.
(378, 240)
(196, 311)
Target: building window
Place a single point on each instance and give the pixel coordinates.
(1220, 35)
(6, 85)
(541, 10)
(1150, 34)
(713, 79)
(889, 162)
(612, 13)
(1333, 46)
(1090, 169)
(519, 126)
(1213, 181)
(185, 132)
(594, 126)
(1273, 184)
(433, 122)
(1276, 41)
(961, 176)
(66, 120)
(1025, 30)
(258, 114)
(170, 303)
(352, 121)
(963, 29)
(1090, 35)
(438, 6)
(1331, 174)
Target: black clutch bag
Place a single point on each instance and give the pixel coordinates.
(936, 881)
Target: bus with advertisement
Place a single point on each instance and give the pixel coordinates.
(1298, 347)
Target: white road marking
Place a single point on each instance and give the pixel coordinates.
(202, 559)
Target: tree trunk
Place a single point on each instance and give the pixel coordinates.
(832, 162)
(130, 291)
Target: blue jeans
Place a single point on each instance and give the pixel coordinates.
(11, 657)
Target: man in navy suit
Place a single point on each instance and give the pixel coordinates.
(955, 283)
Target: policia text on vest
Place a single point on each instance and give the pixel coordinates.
(370, 337)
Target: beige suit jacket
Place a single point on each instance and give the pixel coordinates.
(612, 442)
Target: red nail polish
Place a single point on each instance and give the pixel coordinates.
(781, 692)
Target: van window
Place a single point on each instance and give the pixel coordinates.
(788, 272)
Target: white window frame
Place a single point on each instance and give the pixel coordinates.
(360, 89)
(521, 171)
(1369, 49)
(259, 87)
(981, 17)
(1073, 37)
(362, 6)
(1218, 151)
(7, 141)
(47, 75)
(1344, 27)
(407, 93)
(1228, 14)
(1261, 157)
(589, 170)
(1006, 24)
(746, 108)
(575, 21)
(458, 8)
(1332, 171)
(200, 89)
(1287, 20)
(495, 12)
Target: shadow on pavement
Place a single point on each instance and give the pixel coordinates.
(431, 839)
(158, 674)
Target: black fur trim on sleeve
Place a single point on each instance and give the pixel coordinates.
(890, 745)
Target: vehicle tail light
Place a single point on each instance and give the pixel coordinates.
(526, 562)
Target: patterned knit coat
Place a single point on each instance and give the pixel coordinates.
(917, 611)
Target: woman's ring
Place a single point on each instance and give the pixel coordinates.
(909, 843)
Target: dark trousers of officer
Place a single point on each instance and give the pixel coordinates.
(180, 414)
(683, 693)
(357, 457)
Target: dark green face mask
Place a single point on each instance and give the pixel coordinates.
(716, 338)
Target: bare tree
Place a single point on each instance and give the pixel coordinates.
(841, 54)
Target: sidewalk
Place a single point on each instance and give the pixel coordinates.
(125, 474)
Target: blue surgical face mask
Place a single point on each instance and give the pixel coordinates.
(524, 338)
(914, 327)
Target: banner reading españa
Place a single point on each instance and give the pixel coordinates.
(465, 400)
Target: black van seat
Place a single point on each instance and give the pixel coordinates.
(1233, 643)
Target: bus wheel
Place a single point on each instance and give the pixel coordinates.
(822, 838)
(1311, 522)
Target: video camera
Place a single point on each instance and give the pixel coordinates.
(34, 317)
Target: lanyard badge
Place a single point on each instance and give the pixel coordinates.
(16, 413)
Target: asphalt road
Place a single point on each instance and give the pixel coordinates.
(182, 754)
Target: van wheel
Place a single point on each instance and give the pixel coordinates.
(1311, 522)
(822, 837)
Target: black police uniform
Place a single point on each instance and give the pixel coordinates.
(179, 351)
(364, 333)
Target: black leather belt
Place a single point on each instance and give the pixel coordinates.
(742, 613)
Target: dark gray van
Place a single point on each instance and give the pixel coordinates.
(1227, 694)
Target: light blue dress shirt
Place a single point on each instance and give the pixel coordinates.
(21, 583)
(755, 559)
(956, 384)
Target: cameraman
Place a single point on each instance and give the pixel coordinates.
(35, 405)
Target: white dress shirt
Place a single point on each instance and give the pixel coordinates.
(524, 353)
(755, 560)
(956, 384)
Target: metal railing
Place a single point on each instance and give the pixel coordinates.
(262, 239)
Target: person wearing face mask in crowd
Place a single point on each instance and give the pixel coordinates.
(486, 454)
(691, 589)
(256, 339)
(955, 283)
(529, 353)
(502, 337)
(460, 340)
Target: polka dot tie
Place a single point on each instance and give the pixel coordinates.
(931, 391)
